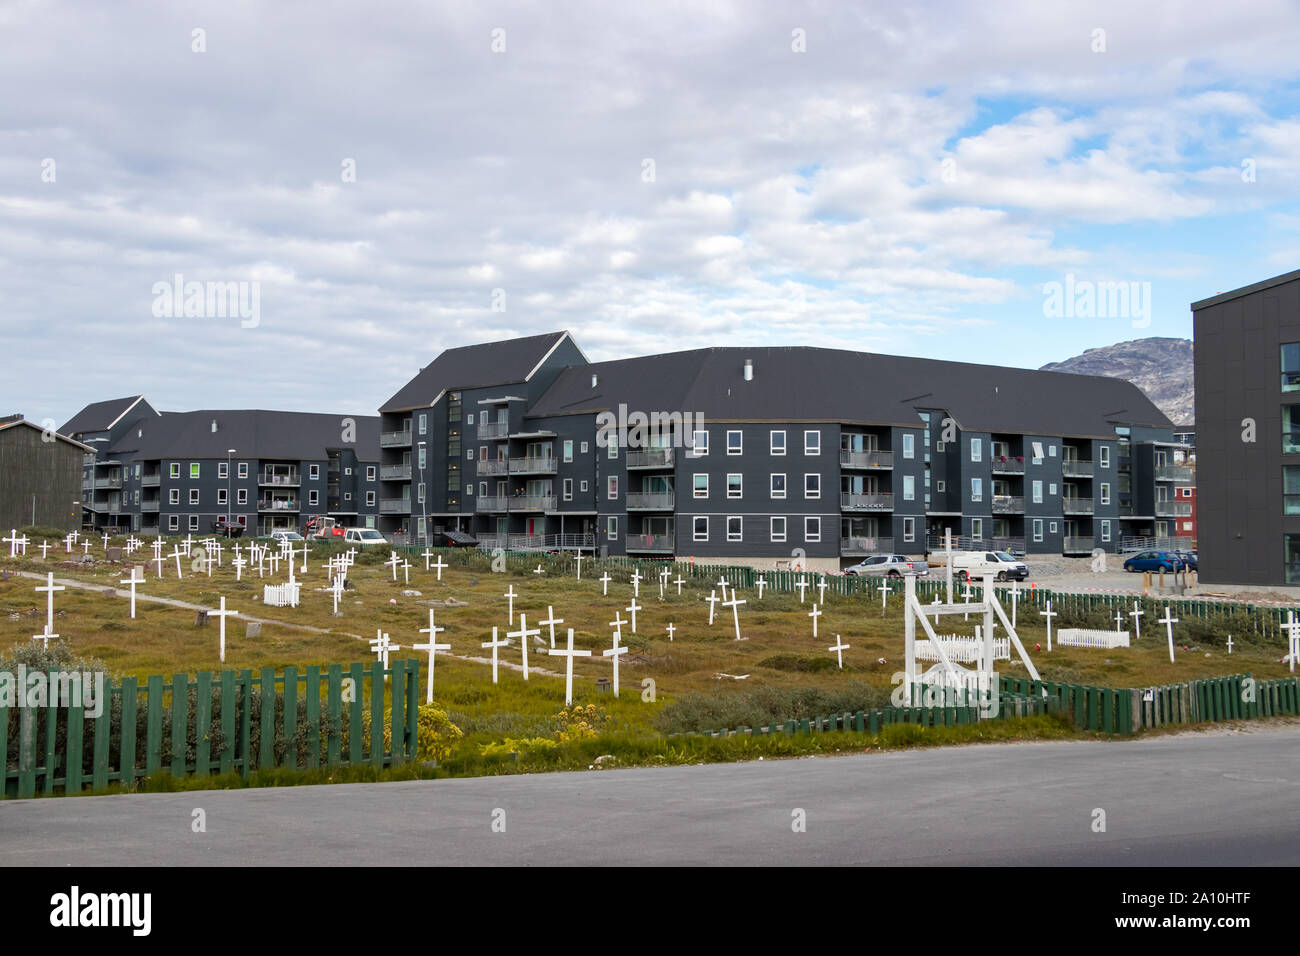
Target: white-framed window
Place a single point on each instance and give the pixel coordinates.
(976, 489)
(735, 442)
(568, 449)
(812, 484)
(194, 496)
(939, 446)
(812, 442)
(241, 496)
(611, 487)
(482, 489)
(313, 472)
(700, 482)
(1051, 451)
(223, 469)
(313, 497)
(777, 445)
(1036, 452)
(221, 496)
(194, 469)
(700, 443)
(1038, 529)
(1187, 526)
(469, 490)
(1105, 530)
(420, 457)
(976, 449)
(1105, 456)
(469, 419)
(909, 445)
(582, 485)
(1037, 492)
(776, 530)
(1105, 493)
(173, 522)
(1051, 526)
(424, 422)
(173, 496)
(700, 528)
(347, 496)
(812, 528)
(611, 527)
(370, 472)
(582, 447)
(243, 469)
(909, 488)
(613, 448)
(419, 493)
(568, 489)
(347, 472)
(940, 485)
(370, 496)
(735, 528)
(777, 480)
(1051, 489)
(735, 486)
(977, 528)
(909, 529)
(469, 454)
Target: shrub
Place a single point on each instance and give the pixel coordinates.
(437, 733)
(764, 705)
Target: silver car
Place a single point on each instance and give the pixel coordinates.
(888, 565)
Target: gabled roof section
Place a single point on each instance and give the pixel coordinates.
(253, 433)
(476, 366)
(16, 422)
(101, 416)
(817, 385)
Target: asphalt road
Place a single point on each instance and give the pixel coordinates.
(1197, 799)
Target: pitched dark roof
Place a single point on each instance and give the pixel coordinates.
(253, 433)
(1246, 290)
(472, 366)
(17, 421)
(101, 416)
(816, 384)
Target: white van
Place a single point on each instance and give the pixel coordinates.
(364, 537)
(976, 564)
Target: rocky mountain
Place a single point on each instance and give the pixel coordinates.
(1161, 367)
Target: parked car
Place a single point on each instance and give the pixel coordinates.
(293, 537)
(1190, 560)
(364, 537)
(234, 531)
(976, 564)
(1155, 561)
(888, 565)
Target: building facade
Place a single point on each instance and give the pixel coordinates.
(40, 476)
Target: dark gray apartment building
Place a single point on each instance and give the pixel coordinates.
(176, 472)
(745, 454)
(1248, 433)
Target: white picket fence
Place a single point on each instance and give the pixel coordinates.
(281, 595)
(962, 649)
(1080, 637)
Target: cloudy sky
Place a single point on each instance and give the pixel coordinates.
(398, 178)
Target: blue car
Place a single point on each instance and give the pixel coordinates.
(1155, 561)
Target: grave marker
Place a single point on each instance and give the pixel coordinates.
(569, 655)
(432, 647)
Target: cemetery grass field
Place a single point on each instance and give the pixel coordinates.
(791, 674)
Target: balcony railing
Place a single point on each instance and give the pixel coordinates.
(866, 459)
(1174, 509)
(492, 466)
(149, 505)
(394, 506)
(651, 458)
(1173, 473)
(1008, 504)
(493, 430)
(490, 503)
(1012, 545)
(394, 472)
(532, 466)
(864, 545)
(1071, 468)
(872, 502)
(531, 503)
(278, 504)
(648, 542)
(538, 542)
(151, 481)
(108, 482)
(650, 501)
(280, 479)
(1079, 544)
(395, 439)
(1076, 506)
(1008, 465)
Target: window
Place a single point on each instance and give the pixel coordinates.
(976, 449)
(1291, 367)
(612, 487)
(777, 529)
(175, 470)
(194, 496)
(909, 488)
(1291, 430)
(812, 485)
(1051, 451)
(313, 497)
(812, 529)
(582, 485)
(243, 469)
(194, 469)
(909, 445)
(701, 528)
(1105, 531)
(941, 486)
(173, 522)
(1187, 526)
(1051, 526)
(939, 446)
(223, 469)
(221, 496)
(1051, 489)
(976, 489)
(977, 528)
(241, 496)
(347, 496)
(699, 443)
(1038, 529)
(419, 494)
(424, 422)
(1105, 493)
(701, 482)
(1105, 456)
(582, 447)
(194, 522)
(778, 444)
(611, 527)
(347, 472)
(469, 490)
(778, 485)
(370, 473)
(909, 529)
(568, 450)
(313, 472)
(735, 442)
(568, 489)
(421, 457)
(370, 496)
(734, 526)
(734, 483)
(613, 448)
(1036, 452)
(812, 443)
(1291, 489)
(469, 419)
(1037, 492)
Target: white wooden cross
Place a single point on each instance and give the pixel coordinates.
(105, 540)
(1169, 623)
(839, 649)
(510, 597)
(802, 585)
(570, 654)
(238, 565)
(760, 584)
(1015, 600)
(44, 637)
(176, 553)
(524, 633)
(85, 547)
(432, 647)
(636, 583)
(663, 582)
(1292, 628)
(538, 570)
(221, 616)
(49, 589)
(1049, 614)
(679, 582)
(207, 560)
(427, 555)
(734, 604)
(723, 584)
(72, 537)
(814, 614)
(394, 561)
(133, 581)
(1119, 621)
(713, 600)
(216, 548)
(22, 545)
(821, 590)
(884, 593)
(633, 608)
(604, 584)
(579, 565)
(615, 653)
(1229, 643)
(336, 591)
(494, 644)
(382, 645)
(671, 629)
(406, 572)
(550, 621)
(304, 557)
(45, 547)
(188, 543)
(13, 542)
(618, 622)
(158, 559)
(1136, 614)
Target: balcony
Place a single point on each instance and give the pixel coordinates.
(1076, 469)
(395, 472)
(1173, 509)
(871, 502)
(289, 478)
(652, 458)
(531, 503)
(493, 431)
(1007, 465)
(151, 481)
(149, 505)
(101, 483)
(866, 459)
(863, 546)
(1076, 506)
(1010, 545)
(395, 506)
(490, 503)
(395, 439)
(290, 506)
(650, 501)
(1008, 505)
(539, 542)
(532, 466)
(1173, 473)
(648, 542)
(492, 466)
(1081, 544)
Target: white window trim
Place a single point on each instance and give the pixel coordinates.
(740, 492)
(909, 445)
(812, 521)
(611, 487)
(740, 536)
(909, 488)
(818, 492)
(909, 530)
(776, 537)
(808, 449)
(696, 491)
(741, 449)
(785, 486)
(772, 442)
(1037, 528)
(697, 444)
(976, 449)
(976, 495)
(1036, 492)
(695, 532)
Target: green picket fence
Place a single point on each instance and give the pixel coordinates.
(1238, 697)
(214, 723)
(868, 722)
